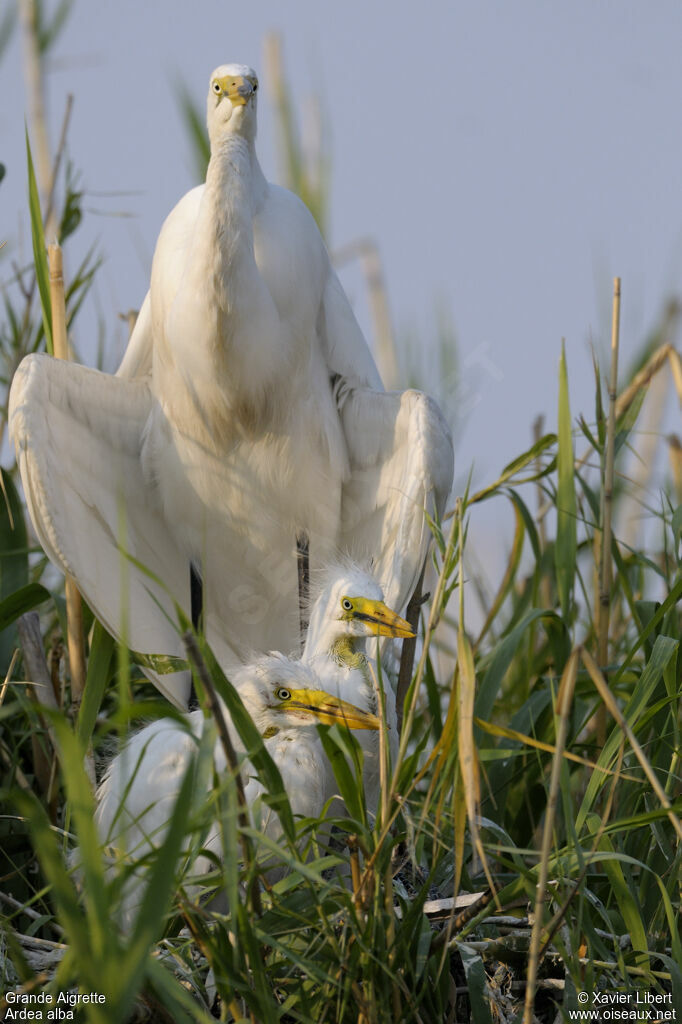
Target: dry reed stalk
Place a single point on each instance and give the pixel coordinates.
(657, 360)
(33, 74)
(564, 701)
(545, 584)
(640, 478)
(8, 676)
(75, 640)
(467, 752)
(605, 567)
(655, 409)
(675, 458)
(530, 741)
(676, 369)
(610, 702)
(666, 353)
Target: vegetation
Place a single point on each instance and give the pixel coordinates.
(528, 845)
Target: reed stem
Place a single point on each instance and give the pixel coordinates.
(74, 609)
(605, 567)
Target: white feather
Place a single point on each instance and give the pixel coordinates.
(136, 797)
(352, 683)
(247, 408)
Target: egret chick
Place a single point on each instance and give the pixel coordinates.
(136, 797)
(348, 610)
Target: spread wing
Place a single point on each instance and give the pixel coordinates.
(78, 435)
(401, 467)
(346, 351)
(400, 455)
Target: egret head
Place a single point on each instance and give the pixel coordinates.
(231, 103)
(282, 694)
(351, 603)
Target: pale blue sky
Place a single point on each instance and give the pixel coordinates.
(508, 158)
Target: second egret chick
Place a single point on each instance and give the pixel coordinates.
(348, 610)
(136, 798)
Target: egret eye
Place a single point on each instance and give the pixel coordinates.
(216, 88)
(283, 694)
(346, 604)
(255, 86)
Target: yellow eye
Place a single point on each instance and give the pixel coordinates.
(283, 694)
(346, 604)
(217, 87)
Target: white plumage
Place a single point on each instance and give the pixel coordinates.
(246, 409)
(136, 797)
(348, 610)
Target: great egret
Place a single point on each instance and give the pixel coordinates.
(247, 408)
(349, 608)
(136, 797)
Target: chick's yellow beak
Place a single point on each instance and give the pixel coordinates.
(238, 89)
(379, 619)
(330, 710)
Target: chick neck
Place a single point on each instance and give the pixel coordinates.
(343, 651)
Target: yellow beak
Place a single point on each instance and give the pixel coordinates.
(380, 620)
(330, 710)
(238, 89)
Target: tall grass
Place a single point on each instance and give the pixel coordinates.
(501, 790)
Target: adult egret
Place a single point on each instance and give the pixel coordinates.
(136, 797)
(247, 409)
(348, 610)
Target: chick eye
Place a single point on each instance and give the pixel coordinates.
(283, 694)
(216, 88)
(346, 604)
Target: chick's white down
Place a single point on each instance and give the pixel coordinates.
(347, 615)
(247, 409)
(136, 797)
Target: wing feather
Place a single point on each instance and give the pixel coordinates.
(78, 435)
(402, 463)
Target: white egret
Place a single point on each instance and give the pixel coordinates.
(348, 610)
(136, 797)
(247, 408)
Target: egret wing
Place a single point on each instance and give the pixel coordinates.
(137, 358)
(346, 351)
(78, 434)
(401, 468)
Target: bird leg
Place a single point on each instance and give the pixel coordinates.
(303, 562)
(409, 646)
(196, 601)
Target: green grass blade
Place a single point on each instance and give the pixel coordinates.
(22, 601)
(663, 650)
(99, 661)
(476, 983)
(341, 755)
(39, 249)
(14, 557)
(268, 772)
(566, 538)
(50, 857)
(82, 807)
